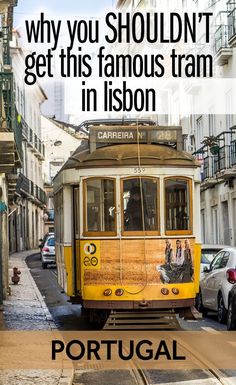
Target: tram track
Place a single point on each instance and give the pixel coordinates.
(124, 321)
(142, 320)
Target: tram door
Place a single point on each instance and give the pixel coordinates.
(76, 245)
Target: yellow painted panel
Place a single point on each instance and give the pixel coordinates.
(68, 267)
(197, 265)
(136, 262)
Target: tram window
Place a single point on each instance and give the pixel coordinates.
(140, 204)
(177, 204)
(100, 205)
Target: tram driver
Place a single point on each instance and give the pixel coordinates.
(136, 213)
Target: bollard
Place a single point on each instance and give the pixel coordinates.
(15, 278)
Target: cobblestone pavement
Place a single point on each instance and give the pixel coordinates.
(25, 309)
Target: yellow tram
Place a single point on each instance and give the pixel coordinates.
(127, 207)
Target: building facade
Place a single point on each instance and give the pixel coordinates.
(27, 206)
(11, 155)
(211, 137)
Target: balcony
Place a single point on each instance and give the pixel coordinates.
(5, 37)
(33, 141)
(25, 187)
(10, 128)
(219, 167)
(7, 101)
(222, 49)
(7, 152)
(232, 22)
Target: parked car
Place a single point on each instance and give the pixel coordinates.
(216, 284)
(48, 252)
(231, 316)
(43, 240)
(208, 253)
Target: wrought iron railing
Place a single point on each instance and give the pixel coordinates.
(25, 185)
(206, 168)
(32, 138)
(231, 18)
(18, 135)
(224, 159)
(233, 152)
(7, 107)
(8, 114)
(221, 38)
(5, 36)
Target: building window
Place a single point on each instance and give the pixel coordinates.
(140, 204)
(199, 132)
(177, 205)
(203, 226)
(211, 124)
(100, 207)
(215, 225)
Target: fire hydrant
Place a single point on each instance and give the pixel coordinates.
(15, 278)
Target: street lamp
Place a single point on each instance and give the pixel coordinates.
(57, 143)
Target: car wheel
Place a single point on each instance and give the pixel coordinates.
(231, 321)
(222, 312)
(199, 305)
(44, 265)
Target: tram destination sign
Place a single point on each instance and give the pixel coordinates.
(142, 134)
(125, 134)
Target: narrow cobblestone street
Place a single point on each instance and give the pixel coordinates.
(25, 309)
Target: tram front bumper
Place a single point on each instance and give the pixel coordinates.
(142, 305)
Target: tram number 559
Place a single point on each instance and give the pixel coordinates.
(139, 170)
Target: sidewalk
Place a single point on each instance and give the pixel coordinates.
(25, 309)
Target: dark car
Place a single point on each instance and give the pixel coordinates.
(231, 316)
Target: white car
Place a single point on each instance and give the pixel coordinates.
(48, 252)
(208, 253)
(216, 284)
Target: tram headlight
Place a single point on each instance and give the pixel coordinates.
(164, 291)
(119, 292)
(175, 290)
(107, 292)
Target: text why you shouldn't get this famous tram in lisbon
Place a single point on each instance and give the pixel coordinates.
(127, 206)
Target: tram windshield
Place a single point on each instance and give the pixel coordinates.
(100, 205)
(177, 204)
(140, 204)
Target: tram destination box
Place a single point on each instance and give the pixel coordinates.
(127, 134)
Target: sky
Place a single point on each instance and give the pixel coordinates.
(28, 8)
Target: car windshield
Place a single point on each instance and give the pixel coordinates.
(51, 242)
(208, 256)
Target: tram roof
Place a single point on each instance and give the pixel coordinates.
(119, 155)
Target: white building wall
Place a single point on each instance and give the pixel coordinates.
(56, 156)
